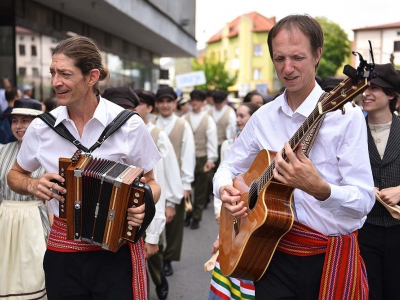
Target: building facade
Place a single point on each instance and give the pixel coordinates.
(242, 45)
(132, 36)
(385, 40)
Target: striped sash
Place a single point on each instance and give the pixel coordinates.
(227, 288)
(58, 242)
(344, 275)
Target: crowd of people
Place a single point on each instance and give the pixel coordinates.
(190, 149)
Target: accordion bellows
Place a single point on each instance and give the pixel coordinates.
(99, 192)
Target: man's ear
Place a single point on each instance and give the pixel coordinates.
(93, 76)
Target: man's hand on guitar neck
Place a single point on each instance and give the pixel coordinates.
(299, 172)
(230, 198)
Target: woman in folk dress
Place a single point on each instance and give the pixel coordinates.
(24, 221)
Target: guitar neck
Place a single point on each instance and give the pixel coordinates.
(294, 143)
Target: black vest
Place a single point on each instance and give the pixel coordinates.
(386, 172)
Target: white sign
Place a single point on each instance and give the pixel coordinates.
(190, 79)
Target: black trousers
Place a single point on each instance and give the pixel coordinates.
(380, 248)
(291, 277)
(100, 275)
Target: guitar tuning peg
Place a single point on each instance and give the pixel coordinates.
(343, 110)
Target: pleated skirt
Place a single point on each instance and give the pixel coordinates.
(22, 248)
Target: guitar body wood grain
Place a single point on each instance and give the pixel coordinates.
(247, 251)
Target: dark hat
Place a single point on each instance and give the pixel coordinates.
(219, 96)
(318, 79)
(329, 83)
(198, 94)
(146, 96)
(122, 95)
(387, 77)
(166, 92)
(26, 107)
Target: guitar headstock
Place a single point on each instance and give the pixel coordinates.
(355, 84)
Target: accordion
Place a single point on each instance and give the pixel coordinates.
(99, 192)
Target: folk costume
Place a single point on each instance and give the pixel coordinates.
(340, 155)
(181, 137)
(131, 144)
(206, 143)
(24, 228)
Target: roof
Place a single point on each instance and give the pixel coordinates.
(384, 26)
(260, 24)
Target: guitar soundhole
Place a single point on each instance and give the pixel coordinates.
(253, 196)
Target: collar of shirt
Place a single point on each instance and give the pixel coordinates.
(306, 107)
(98, 113)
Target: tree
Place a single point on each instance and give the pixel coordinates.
(336, 48)
(217, 77)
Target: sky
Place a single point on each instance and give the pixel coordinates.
(212, 15)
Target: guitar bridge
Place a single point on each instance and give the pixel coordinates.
(236, 226)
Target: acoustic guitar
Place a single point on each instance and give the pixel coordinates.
(248, 244)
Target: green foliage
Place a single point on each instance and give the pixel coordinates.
(336, 48)
(216, 76)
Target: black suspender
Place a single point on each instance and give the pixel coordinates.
(119, 120)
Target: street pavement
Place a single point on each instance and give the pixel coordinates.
(189, 281)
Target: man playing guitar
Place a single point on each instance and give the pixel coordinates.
(333, 188)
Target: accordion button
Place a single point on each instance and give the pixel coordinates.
(130, 227)
(137, 194)
(136, 200)
(62, 210)
(129, 233)
(62, 169)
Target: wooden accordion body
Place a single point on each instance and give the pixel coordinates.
(99, 192)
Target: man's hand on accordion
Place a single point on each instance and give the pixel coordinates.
(47, 187)
(136, 215)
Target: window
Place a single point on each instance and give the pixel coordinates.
(396, 46)
(33, 39)
(22, 71)
(256, 74)
(257, 50)
(35, 71)
(33, 50)
(22, 50)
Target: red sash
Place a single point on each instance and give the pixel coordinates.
(344, 275)
(58, 242)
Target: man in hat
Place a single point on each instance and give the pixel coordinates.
(165, 173)
(225, 119)
(379, 237)
(206, 142)
(181, 136)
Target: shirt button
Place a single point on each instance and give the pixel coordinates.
(378, 140)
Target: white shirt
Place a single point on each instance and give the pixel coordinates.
(231, 129)
(211, 132)
(131, 144)
(340, 154)
(188, 154)
(165, 173)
